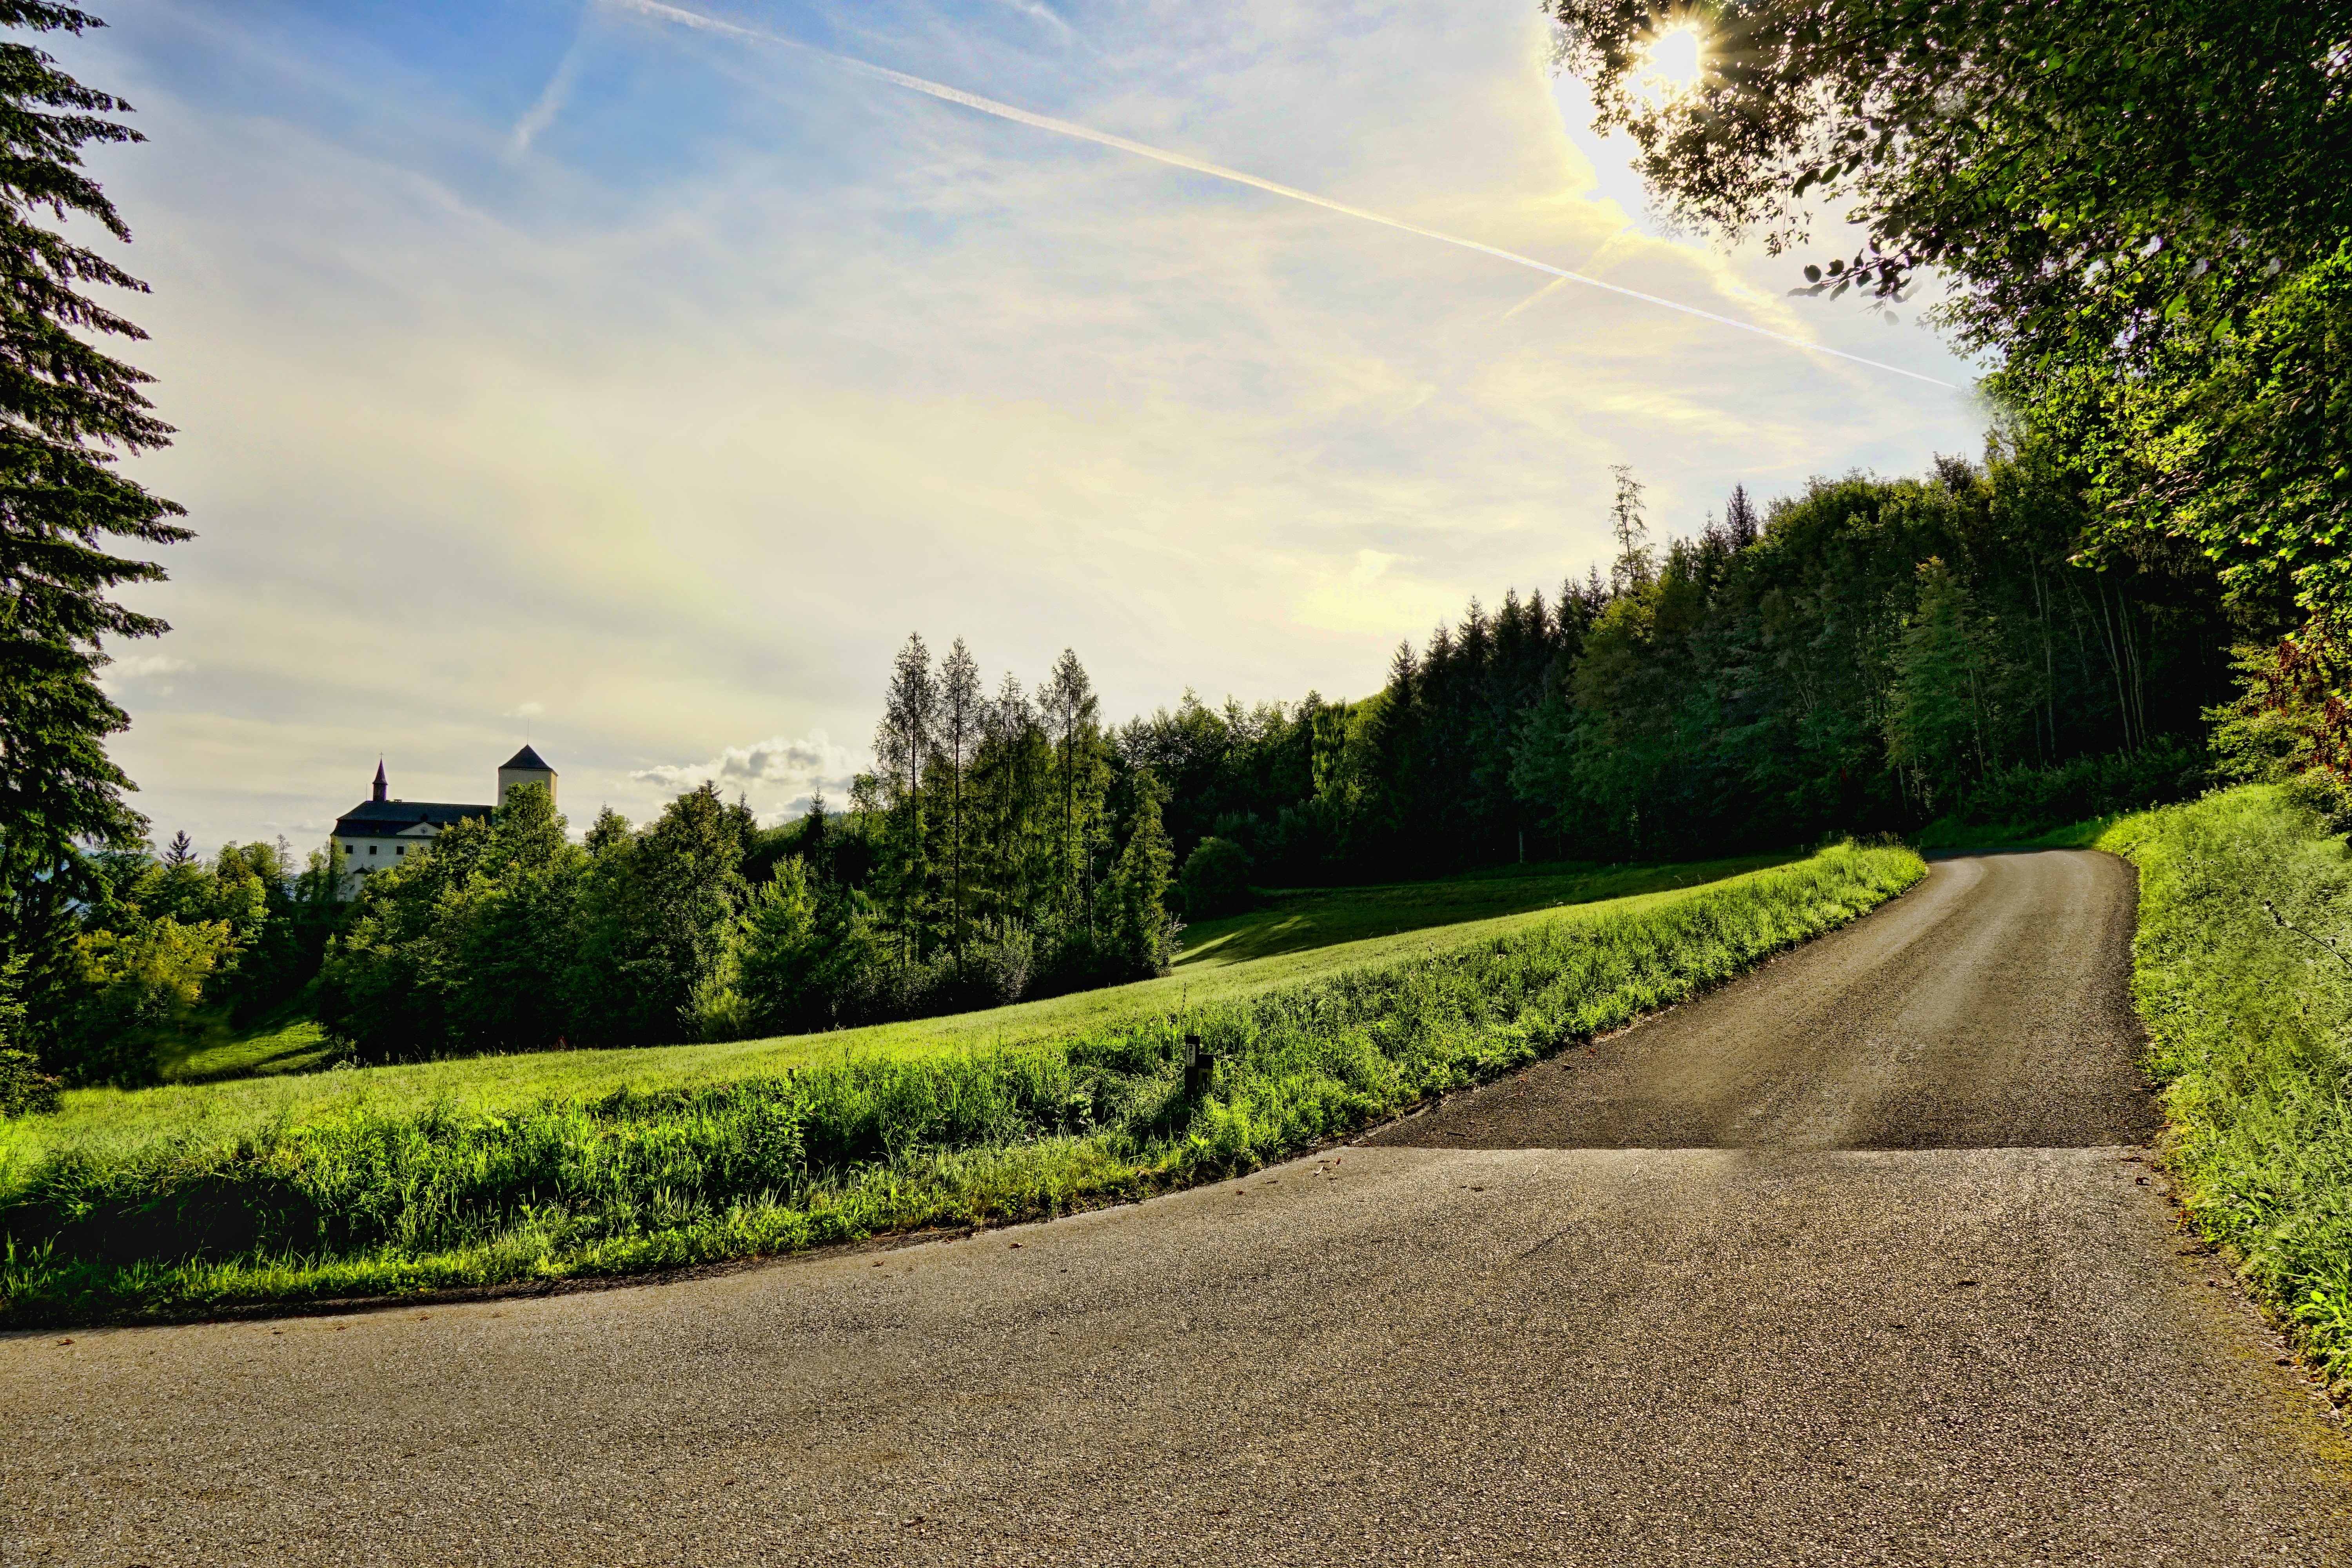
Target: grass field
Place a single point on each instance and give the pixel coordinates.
(1309, 919)
(286, 1040)
(280, 1189)
(1296, 938)
(2242, 971)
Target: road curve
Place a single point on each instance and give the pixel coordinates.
(1987, 1008)
(1853, 1261)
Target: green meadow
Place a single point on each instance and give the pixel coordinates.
(1296, 937)
(286, 1040)
(1323, 1012)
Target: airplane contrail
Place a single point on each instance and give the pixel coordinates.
(700, 23)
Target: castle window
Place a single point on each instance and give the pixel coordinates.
(399, 849)
(372, 848)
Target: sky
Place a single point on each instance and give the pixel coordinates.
(593, 376)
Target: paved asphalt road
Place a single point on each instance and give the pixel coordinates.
(1855, 1261)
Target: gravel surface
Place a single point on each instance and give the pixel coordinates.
(1778, 1352)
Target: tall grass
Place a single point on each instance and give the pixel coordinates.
(2243, 972)
(356, 1198)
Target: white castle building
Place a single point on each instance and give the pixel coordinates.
(379, 833)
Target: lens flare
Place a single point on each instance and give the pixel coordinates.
(1675, 59)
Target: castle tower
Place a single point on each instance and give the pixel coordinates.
(525, 768)
(381, 783)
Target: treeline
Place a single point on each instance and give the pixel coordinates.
(1874, 655)
(157, 943)
(1870, 655)
(1008, 844)
(997, 851)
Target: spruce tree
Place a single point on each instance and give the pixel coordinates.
(1068, 705)
(962, 708)
(1143, 937)
(68, 410)
(903, 744)
(1634, 566)
(1739, 518)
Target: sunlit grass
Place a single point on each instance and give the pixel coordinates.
(187, 1199)
(2249, 1017)
(1306, 919)
(1298, 938)
(286, 1040)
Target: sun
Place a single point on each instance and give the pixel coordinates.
(1674, 59)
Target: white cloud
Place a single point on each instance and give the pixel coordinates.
(1037, 11)
(682, 422)
(551, 102)
(140, 666)
(808, 760)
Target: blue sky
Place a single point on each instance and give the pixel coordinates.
(562, 370)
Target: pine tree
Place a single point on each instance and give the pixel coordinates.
(1144, 936)
(902, 744)
(813, 847)
(962, 709)
(1011, 773)
(1633, 567)
(1068, 705)
(780, 947)
(1739, 518)
(67, 411)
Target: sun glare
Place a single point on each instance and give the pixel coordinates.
(1674, 59)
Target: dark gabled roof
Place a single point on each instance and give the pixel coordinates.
(383, 818)
(526, 758)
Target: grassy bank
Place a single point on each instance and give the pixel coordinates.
(111, 1214)
(2243, 972)
(1309, 919)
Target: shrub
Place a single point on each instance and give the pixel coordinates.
(1216, 879)
(2165, 771)
(134, 987)
(24, 1090)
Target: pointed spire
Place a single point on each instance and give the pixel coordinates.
(381, 783)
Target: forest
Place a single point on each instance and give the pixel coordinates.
(1869, 655)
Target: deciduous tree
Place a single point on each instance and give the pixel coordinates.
(2139, 208)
